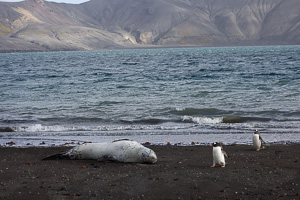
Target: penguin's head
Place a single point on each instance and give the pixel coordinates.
(216, 144)
(256, 131)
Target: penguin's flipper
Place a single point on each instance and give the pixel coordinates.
(225, 154)
(57, 157)
(260, 138)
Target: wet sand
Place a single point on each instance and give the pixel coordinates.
(182, 172)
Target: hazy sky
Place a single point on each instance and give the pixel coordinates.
(58, 1)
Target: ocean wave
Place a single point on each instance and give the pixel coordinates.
(137, 124)
(238, 119)
(198, 111)
(6, 129)
(173, 123)
(203, 120)
(87, 128)
(223, 119)
(150, 121)
(144, 121)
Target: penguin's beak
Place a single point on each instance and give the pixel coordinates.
(211, 145)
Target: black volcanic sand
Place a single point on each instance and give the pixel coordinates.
(180, 173)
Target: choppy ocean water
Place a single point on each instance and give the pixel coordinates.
(177, 95)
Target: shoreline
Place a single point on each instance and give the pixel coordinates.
(159, 140)
(182, 172)
(5, 51)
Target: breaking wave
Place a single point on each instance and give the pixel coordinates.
(203, 120)
(140, 124)
(84, 128)
(226, 119)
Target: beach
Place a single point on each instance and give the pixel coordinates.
(182, 172)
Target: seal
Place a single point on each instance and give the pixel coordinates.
(116, 151)
(218, 154)
(257, 140)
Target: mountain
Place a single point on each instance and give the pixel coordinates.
(38, 25)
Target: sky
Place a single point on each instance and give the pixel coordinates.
(58, 1)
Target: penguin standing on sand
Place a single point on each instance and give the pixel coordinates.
(218, 154)
(257, 140)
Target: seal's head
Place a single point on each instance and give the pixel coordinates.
(152, 157)
(149, 156)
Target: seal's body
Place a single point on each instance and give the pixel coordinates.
(118, 151)
(218, 154)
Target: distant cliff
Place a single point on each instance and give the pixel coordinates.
(38, 25)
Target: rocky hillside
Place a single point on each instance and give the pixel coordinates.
(38, 25)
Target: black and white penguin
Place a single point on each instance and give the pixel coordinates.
(257, 140)
(218, 154)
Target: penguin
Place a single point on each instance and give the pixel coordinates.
(218, 154)
(257, 140)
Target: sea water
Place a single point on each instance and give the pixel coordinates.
(168, 95)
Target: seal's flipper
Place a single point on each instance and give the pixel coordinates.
(121, 140)
(57, 157)
(106, 158)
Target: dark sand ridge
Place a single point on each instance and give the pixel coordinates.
(182, 172)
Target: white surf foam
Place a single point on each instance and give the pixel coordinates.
(204, 120)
